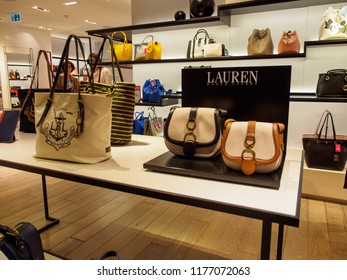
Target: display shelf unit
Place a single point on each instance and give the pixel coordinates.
(21, 60)
(223, 18)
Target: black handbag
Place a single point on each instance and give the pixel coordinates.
(323, 151)
(23, 242)
(27, 96)
(332, 84)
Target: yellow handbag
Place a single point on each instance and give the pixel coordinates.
(153, 50)
(123, 50)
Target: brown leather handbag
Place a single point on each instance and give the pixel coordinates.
(252, 146)
(260, 42)
(289, 43)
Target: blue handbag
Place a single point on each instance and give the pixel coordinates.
(139, 123)
(152, 91)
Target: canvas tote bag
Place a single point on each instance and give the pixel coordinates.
(73, 126)
(123, 99)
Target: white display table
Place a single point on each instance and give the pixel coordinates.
(125, 172)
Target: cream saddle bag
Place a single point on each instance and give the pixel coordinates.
(194, 132)
(252, 146)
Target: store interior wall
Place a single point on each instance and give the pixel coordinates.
(16, 36)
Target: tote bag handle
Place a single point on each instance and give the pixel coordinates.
(114, 59)
(65, 59)
(36, 71)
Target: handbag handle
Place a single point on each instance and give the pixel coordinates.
(325, 124)
(124, 35)
(202, 31)
(64, 59)
(36, 70)
(113, 59)
(148, 36)
(337, 71)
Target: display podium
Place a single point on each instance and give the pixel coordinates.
(247, 93)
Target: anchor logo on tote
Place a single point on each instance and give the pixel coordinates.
(30, 113)
(60, 131)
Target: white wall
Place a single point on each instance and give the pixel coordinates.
(303, 116)
(13, 35)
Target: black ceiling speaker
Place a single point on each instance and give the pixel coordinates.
(201, 8)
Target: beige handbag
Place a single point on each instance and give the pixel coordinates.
(260, 42)
(194, 132)
(214, 50)
(334, 24)
(252, 146)
(72, 126)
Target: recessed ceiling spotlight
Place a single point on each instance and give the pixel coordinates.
(89, 21)
(45, 28)
(70, 3)
(40, 9)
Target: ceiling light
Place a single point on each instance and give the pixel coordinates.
(69, 3)
(45, 28)
(40, 9)
(89, 21)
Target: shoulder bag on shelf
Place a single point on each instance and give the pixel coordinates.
(123, 98)
(140, 49)
(73, 126)
(252, 146)
(23, 242)
(194, 132)
(260, 42)
(214, 50)
(153, 51)
(124, 50)
(289, 43)
(332, 84)
(152, 91)
(325, 151)
(196, 46)
(334, 24)
(27, 97)
(150, 50)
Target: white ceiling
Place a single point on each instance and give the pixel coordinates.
(66, 20)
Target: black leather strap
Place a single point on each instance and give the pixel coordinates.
(189, 145)
(110, 255)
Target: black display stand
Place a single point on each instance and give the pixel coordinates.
(247, 93)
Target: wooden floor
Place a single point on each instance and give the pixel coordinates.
(94, 220)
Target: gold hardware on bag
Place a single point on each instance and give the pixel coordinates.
(327, 78)
(336, 157)
(248, 151)
(191, 125)
(345, 88)
(191, 128)
(249, 139)
(190, 134)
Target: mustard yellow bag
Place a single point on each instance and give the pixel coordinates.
(123, 50)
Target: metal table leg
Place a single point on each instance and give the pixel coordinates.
(265, 240)
(53, 221)
(280, 241)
